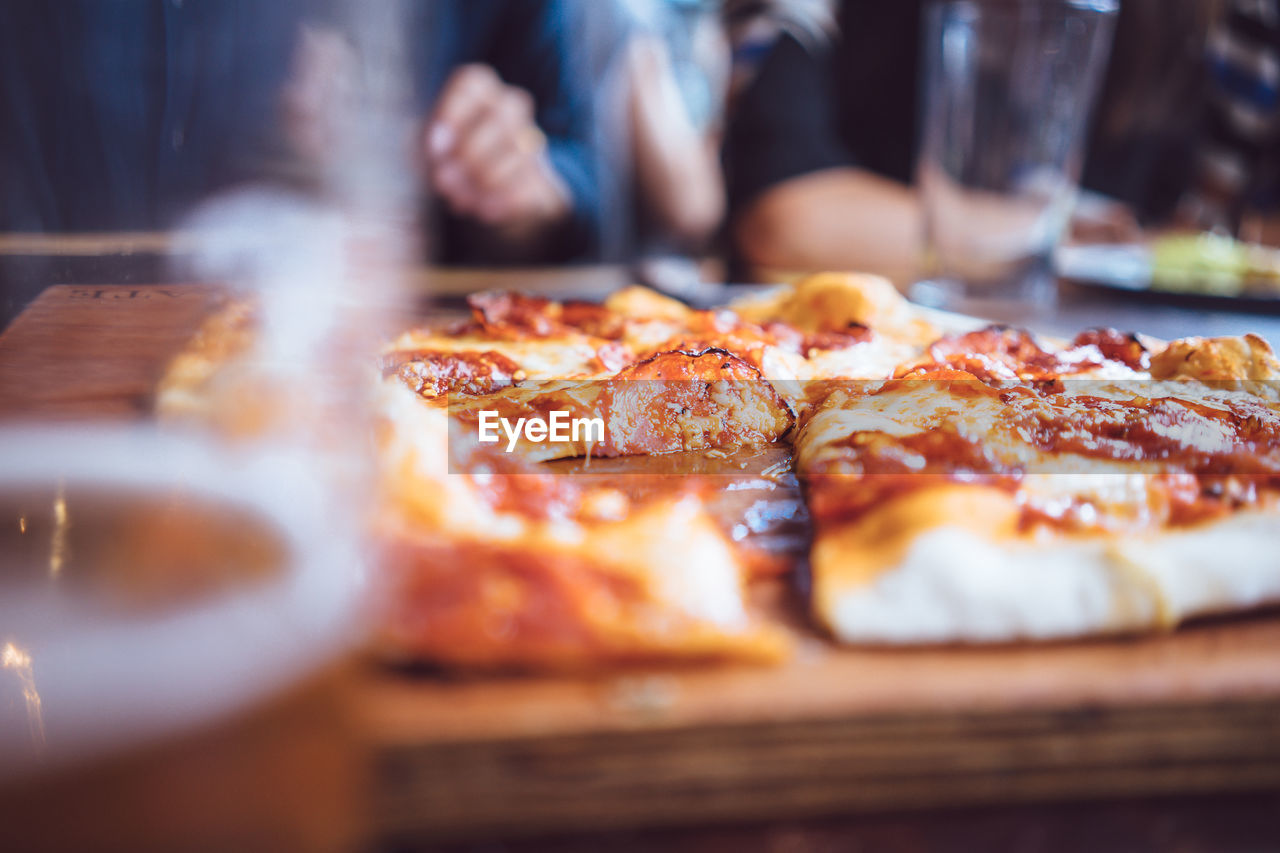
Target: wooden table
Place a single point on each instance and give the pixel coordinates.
(911, 733)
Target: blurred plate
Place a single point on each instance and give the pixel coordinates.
(150, 583)
(1129, 268)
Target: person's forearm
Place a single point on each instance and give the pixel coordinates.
(676, 168)
(838, 219)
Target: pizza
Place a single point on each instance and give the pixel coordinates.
(953, 481)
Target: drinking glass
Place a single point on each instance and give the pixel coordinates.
(1007, 90)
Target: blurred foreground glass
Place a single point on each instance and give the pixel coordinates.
(1008, 87)
(152, 581)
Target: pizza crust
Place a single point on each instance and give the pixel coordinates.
(945, 564)
(955, 584)
(1225, 359)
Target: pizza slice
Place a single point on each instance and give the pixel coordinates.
(1005, 488)
(488, 559)
(491, 560)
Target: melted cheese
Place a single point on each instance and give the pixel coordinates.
(540, 359)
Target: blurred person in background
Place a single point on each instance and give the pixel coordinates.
(125, 115)
(820, 135)
(1151, 107)
(663, 67)
(1237, 187)
(509, 143)
(823, 129)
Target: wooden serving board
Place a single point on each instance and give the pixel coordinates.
(831, 731)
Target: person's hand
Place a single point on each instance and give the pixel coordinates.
(486, 158)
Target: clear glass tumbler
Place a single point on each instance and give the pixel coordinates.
(1007, 91)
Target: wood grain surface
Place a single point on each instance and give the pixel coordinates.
(95, 351)
(833, 731)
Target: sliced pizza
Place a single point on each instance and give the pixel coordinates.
(966, 483)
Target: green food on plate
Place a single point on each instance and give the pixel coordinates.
(1213, 265)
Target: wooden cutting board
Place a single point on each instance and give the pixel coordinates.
(831, 731)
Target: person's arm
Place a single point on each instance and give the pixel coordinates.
(677, 167)
(799, 199)
(843, 218)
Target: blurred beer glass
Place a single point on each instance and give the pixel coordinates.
(1007, 90)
